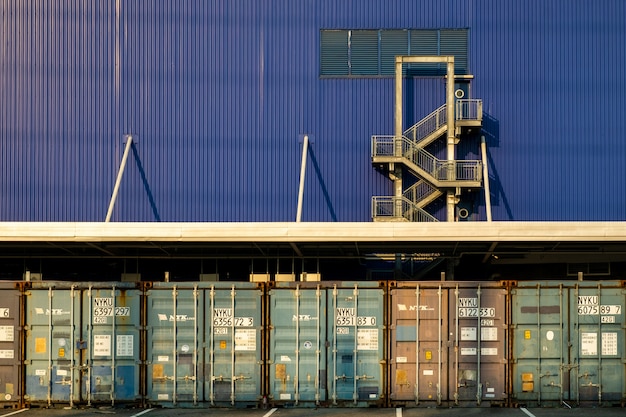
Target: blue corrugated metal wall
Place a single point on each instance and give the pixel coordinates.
(220, 93)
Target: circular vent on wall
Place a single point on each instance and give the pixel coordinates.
(459, 93)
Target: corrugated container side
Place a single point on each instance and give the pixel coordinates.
(447, 343)
(204, 344)
(111, 328)
(326, 343)
(11, 361)
(297, 344)
(233, 362)
(52, 311)
(568, 343)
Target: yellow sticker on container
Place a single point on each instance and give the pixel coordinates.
(61, 353)
(526, 334)
(157, 371)
(40, 345)
(429, 355)
(222, 344)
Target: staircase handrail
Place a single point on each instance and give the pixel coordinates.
(440, 170)
(419, 191)
(427, 125)
(388, 206)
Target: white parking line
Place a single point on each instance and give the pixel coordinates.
(15, 412)
(269, 413)
(398, 412)
(528, 413)
(143, 412)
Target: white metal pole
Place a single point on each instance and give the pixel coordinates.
(483, 151)
(305, 149)
(120, 174)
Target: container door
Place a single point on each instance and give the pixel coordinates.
(417, 334)
(297, 336)
(478, 353)
(599, 367)
(540, 363)
(10, 353)
(174, 323)
(234, 355)
(50, 356)
(356, 340)
(111, 321)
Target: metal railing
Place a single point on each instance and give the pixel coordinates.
(469, 109)
(390, 207)
(419, 191)
(440, 170)
(427, 125)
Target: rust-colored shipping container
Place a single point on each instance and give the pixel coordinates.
(447, 343)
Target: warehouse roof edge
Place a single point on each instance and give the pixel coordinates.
(312, 232)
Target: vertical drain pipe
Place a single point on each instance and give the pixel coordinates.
(305, 149)
(483, 151)
(120, 174)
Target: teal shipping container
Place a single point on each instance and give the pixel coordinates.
(52, 311)
(110, 343)
(204, 344)
(568, 343)
(326, 343)
(10, 344)
(82, 343)
(448, 344)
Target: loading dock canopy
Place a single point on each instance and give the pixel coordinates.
(536, 242)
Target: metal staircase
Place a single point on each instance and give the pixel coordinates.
(433, 174)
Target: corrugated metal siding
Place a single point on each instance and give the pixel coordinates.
(219, 95)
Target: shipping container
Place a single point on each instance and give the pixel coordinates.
(82, 342)
(568, 343)
(110, 343)
(326, 343)
(448, 343)
(204, 344)
(52, 311)
(10, 344)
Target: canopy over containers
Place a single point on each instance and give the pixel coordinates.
(10, 344)
(568, 343)
(326, 343)
(448, 343)
(82, 342)
(204, 344)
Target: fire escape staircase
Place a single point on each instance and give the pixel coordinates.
(433, 173)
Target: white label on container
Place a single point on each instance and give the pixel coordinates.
(487, 322)
(163, 396)
(4, 313)
(401, 359)
(245, 339)
(124, 345)
(550, 335)
(468, 333)
(343, 330)
(489, 334)
(6, 333)
(468, 351)
(345, 316)
(62, 372)
(7, 354)
(40, 372)
(220, 330)
(609, 343)
(367, 339)
(102, 345)
(102, 307)
(490, 395)
(428, 372)
(285, 358)
(285, 396)
(607, 319)
(472, 312)
(588, 344)
(373, 396)
(489, 351)
(491, 390)
(163, 358)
